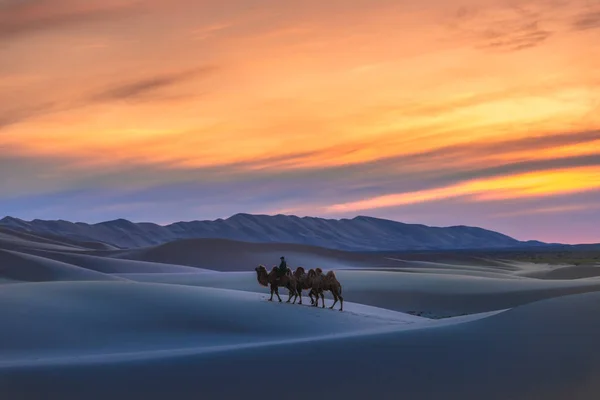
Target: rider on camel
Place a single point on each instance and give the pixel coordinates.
(281, 271)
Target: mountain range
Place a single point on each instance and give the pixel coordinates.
(361, 233)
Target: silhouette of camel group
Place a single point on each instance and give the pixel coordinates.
(314, 281)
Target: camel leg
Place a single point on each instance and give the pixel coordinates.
(335, 300)
(341, 302)
(289, 295)
(316, 299)
(323, 298)
(271, 299)
(300, 296)
(277, 293)
(310, 294)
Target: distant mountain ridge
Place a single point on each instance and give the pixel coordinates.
(361, 233)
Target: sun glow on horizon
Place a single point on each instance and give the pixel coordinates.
(531, 184)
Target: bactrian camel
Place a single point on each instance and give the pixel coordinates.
(321, 283)
(272, 280)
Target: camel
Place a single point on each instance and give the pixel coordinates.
(304, 282)
(271, 279)
(321, 283)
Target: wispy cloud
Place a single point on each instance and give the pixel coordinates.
(534, 184)
(550, 210)
(587, 20)
(208, 31)
(518, 38)
(420, 173)
(508, 28)
(146, 87)
(19, 17)
(12, 116)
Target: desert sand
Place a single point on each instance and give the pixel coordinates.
(188, 320)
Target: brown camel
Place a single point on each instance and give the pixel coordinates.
(304, 283)
(272, 280)
(321, 283)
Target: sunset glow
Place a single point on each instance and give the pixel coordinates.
(434, 112)
(522, 185)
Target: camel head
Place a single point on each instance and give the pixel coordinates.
(262, 275)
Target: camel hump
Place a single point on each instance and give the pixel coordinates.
(330, 274)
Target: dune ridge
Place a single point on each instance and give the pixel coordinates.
(29, 268)
(111, 265)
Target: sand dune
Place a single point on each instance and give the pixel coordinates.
(566, 272)
(123, 320)
(16, 266)
(12, 240)
(540, 350)
(484, 266)
(434, 295)
(88, 258)
(227, 255)
(109, 265)
(452, 271)
(417, 329)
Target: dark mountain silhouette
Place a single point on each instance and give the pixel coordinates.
(357, 234)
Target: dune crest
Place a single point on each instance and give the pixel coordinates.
(17, 266)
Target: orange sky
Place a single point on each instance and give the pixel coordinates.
(369, 107)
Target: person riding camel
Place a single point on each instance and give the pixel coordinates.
(281, 271)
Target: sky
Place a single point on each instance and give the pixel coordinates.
(440, 112)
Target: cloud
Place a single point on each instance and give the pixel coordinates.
(450, 164)
(586, 21)
(142, 88)
(515, 155)
(507, 29)
(410, 172)
(42, 188)
(518, 38)
(21, 17)
(464, 13)
(16, 115)
(274, 188)
(550, 210)
(533, 184)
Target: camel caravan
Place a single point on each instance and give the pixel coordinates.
(295, 282)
